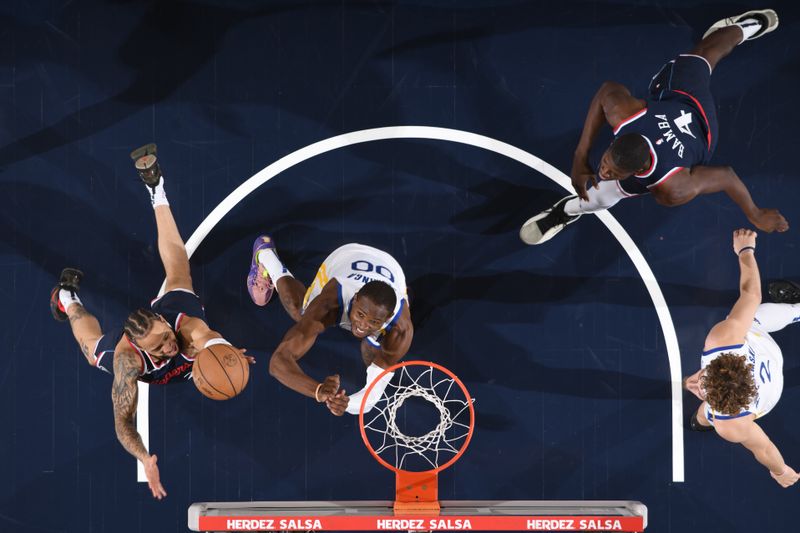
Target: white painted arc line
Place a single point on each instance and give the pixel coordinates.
(512, 152)
(670, 338)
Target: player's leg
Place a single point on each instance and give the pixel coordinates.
(65, 304)
(718, 45)
(549, 222)
(291, 293)
(170, 244)
(775, 317)
(606, 195)
(725, 34)
(267, 272)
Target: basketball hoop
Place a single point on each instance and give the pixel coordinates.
(418, 459)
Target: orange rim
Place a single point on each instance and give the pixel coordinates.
(397, 367)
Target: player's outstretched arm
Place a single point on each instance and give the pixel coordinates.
(746, 432)
(299, 340)
(124, 394)
(612, 104)
(685, 185)
(733, 329)
(295, 344)
(201, 336)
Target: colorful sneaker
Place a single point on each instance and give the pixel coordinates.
(147, 164)
(70, 280)
(547, 224)
(259, 284)
(767, 17)
(784, 292)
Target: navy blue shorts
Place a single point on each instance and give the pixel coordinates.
(689, 77)
(176, 303)
(173, 306)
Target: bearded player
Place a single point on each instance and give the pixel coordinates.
(156, 345)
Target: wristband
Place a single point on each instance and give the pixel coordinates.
(744, 249)
(316, 393)
(214, 342)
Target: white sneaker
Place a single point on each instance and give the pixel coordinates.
(767, 17)
(547, 224)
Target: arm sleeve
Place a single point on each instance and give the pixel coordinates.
(373, 371)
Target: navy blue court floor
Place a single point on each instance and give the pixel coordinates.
(559, 344)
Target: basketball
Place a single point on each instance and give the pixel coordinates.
(220, 372)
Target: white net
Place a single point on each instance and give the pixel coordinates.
(420, 384)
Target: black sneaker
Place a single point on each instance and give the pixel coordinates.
(547, 224)
(784, 292)
(695, 424)
(147, 164)
(70, 280)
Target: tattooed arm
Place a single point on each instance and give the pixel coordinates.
(124, 395)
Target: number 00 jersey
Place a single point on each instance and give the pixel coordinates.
(353, 266)
(765, 355)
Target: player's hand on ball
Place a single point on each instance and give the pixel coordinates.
(769, 220)
(329, 388)
(338, 403)
(742, 238)
(153, 478)
(788, 478)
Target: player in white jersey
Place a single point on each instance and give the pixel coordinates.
(741, 369)
(358, 288)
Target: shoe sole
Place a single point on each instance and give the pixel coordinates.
(147, 149)
(530, 234)
(68, 272)
(727, 22)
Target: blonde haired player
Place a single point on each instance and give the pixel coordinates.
(358, 288)
(741, 374)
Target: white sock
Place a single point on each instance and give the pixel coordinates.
(269, 259)
(749, 28)
(604, 196)
(68, 298)
(573, 207)
(774, 317)
(158, 196)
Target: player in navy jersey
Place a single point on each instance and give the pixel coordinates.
(156, 345)
(663, 143)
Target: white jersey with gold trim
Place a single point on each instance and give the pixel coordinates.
(353, 266)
